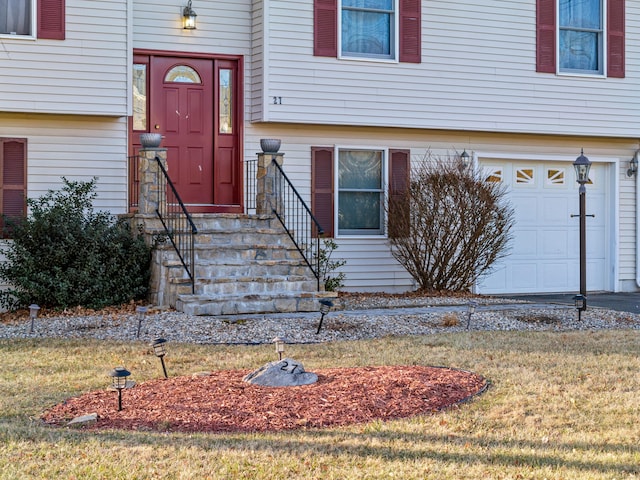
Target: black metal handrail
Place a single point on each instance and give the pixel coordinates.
(177, 222)
(251, 167)
(297, 219)
(134, 181)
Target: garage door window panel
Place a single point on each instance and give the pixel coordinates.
(555, 177)
(525, 176)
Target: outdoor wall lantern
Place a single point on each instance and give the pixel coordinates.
(471, 308)
(159, 349)
(633, 165)
(188, 17)
(325, 306)
(119, 377)
(141, 312)
(465, 160)
(33, 314)
(279, 342)
(582, 166)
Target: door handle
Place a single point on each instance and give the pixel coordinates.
(156, 126)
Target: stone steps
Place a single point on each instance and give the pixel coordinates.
(243, 264)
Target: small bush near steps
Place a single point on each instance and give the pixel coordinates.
(65, 255)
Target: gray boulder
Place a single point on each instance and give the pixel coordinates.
(283, 373)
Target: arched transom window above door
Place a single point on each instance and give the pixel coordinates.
(182, 74)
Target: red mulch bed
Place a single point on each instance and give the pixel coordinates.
(222, 402)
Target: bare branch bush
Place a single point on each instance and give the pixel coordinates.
(450, 226)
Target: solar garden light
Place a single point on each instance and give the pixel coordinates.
(325, 306)
(158, 348)
(581, 304)
(279, 342)
(119, 381)
(471, 308)
(141, 312)
(33, 313)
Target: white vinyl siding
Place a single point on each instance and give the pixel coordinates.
(75, 147)
(370, 265)
(477, 73)
(222, 27)
(85, 74)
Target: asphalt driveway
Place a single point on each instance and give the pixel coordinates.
(622, 302)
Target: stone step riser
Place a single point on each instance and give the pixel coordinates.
(246, 270)
(254, 288)
(248, 306)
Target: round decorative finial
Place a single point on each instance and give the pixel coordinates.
(270, 145)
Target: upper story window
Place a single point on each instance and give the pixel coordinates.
(371, 29)
(30, 18)
(581, 36)
(368, 28)
(16, 17)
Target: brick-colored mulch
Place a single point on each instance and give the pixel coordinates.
(222, 402)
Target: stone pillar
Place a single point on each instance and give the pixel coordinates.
(150, 191)
(267, 193)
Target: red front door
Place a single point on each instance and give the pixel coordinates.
(181, 109)
(194, 103)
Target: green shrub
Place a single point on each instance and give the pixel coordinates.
(64, 254)
(332, 281)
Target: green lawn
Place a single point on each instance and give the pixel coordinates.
(561, 406)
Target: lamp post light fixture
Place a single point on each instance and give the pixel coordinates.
(279, 343)
(471, 308)
(582, 166)
(158, 348)
(33, 314)
(141, 312)
(188, 17)
(325, 306)
(119, 377)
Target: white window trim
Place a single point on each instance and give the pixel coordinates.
(336, 192)
(34, 26)
(574, 73)
(396, 38)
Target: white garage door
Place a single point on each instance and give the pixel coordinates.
(544, 254)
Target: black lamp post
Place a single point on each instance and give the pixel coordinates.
(119, 381)
(158, 348)
(325, 306)
(582, 166)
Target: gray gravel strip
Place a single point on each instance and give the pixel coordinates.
(375, 322)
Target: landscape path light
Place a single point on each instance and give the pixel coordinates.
(33, 314)
(471, 308)
(325, 306)
(141, 312)
(279, 343)
(159, 349)
(119, 377)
